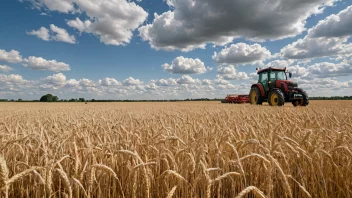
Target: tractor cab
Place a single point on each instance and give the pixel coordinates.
(274, 87)
(270, 76)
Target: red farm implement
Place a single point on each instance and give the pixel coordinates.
(236, 99)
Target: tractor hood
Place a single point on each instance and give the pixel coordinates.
(289, 83)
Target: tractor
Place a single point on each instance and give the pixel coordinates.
(274, 87)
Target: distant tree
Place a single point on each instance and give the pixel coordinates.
(72, 100)
(49, 98)
(55, 99)
(81, 100)
(19, 100)
(12, 100)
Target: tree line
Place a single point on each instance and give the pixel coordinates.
(52, 98)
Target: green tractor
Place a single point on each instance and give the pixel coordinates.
(274, 87)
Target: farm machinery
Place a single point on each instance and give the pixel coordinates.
(274, 87)
(236, 99)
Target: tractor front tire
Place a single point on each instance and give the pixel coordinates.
(276, 98)
(304, 101)
(255, 97)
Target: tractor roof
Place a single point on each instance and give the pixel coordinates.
(273, 69)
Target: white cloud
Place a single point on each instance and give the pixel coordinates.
(12, 56)
(280, 63)
(39, 63)
(109, 82)
(308, 47)
(5, 68)
(56, 79)
(79, 25)
(326, 69)
(87, 83)
(41, 33)
(194, 23)
(298, 71)
(182, 65)
(165, 82)
(13, 83)
(55, 33)
(64, 6)
(221, 81)
(206, 82)
(113, 21)
(13, 78)
(169, 2)
(186, 79)
(61, 34)
(241, 53)
(151, 86)
(328, 38)
(321, 70)
(230, 73)
(132, 82)
(338, 25)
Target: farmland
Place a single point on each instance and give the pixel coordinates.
(181, 149)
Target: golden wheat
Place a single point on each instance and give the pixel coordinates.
(183, 149)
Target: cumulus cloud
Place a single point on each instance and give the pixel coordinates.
(61, 34)
(186, 79)
(241, 53)
(41, 33)
(321, 70)
(194, 23)
(113, 21)
(183, 65)
(55, 34)
(12, 56)
(326, 69)
(56, 79)
(308, 47)
(338, 25)
(299, 72)
(109, 82)
(132, 82)
(64, 6)
(39, 63)
(13, 78)
(13, 83)
(328, 38)
(280, 63)
(5, 68)
(230, 73)
(165, 82)
(169, 2)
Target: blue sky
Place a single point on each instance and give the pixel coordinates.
(125, 50)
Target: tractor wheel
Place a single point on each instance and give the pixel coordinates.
(276, 98)
(255, 97)
(303, 102)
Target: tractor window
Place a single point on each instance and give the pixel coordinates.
(263, 77)
(281, 75)
(273, 76)
(277, 75)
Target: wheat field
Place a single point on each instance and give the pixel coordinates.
(181, 149)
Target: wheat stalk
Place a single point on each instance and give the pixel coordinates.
(253, 189)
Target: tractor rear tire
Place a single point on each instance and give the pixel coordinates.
(276, 98)
(255, 97)
(304, 101)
